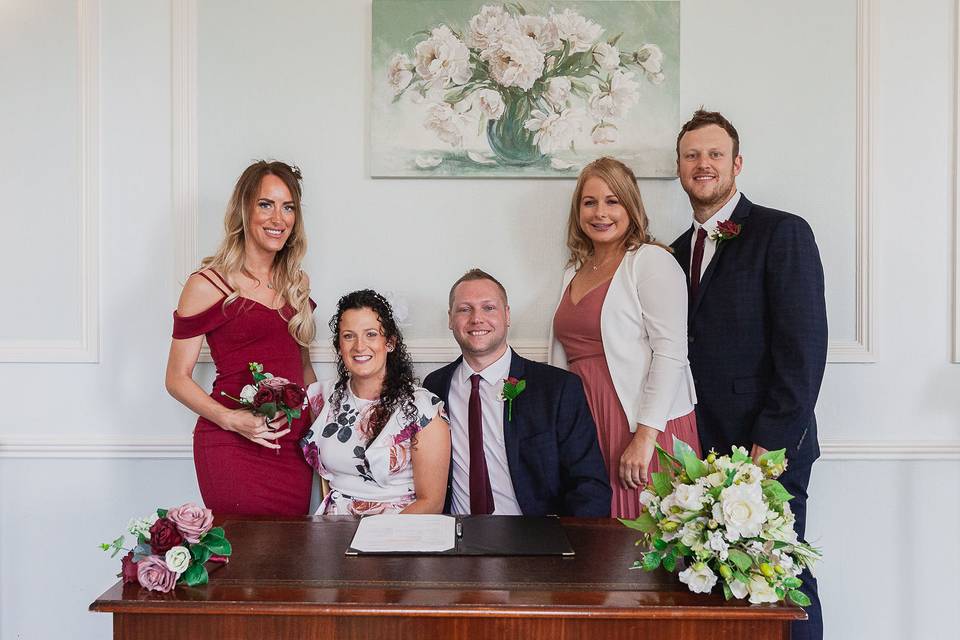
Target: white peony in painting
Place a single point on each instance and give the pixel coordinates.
(528, 88)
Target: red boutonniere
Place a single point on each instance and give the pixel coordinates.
(511, 389)
(726, 230)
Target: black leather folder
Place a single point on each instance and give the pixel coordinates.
(499, 536)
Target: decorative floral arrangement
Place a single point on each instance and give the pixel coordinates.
(726, 230)
(269, 394)
(534, 81)
(730, 518)
(512, 388)
(173, 547)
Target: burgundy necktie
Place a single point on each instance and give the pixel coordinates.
(481, 496)
(696, 263)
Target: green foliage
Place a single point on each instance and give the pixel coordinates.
(792, 583)
(268, 409)
(651, 561)
(775, 458)
(662, 484)
(161, 513)
(694, 467)
(741, 559)
(670, 560)
(660, 544)
(775, 494)
(200, 553)
(644, 522)
(195, 575)
(739, 456)
(799, 598)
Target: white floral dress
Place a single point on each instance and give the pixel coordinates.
(365, 477)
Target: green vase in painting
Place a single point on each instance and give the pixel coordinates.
(510, 142)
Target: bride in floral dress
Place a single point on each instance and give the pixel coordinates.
(381, 441)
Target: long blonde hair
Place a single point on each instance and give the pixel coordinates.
(619, 177)
(288, 277)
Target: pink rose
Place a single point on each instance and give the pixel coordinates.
(192, 521)
(274, 383)
(154, 574)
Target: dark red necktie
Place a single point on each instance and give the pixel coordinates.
(696, 263)
(481, 496)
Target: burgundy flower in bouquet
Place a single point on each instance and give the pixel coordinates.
(269, 395)
(173, 547)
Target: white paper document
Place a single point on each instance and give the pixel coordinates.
(405, 533)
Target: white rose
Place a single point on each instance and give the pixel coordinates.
(399, 73)
(650, 59)
(543, 31)
(647, 497)
(698, 578)
(491, 103)
(761, 591)
(487, 27)
(178, 559)
(442, 59)
(445, 122)
(743, 510)
(717, 512)
(749, 473)
(515, 62)
(716, 479)
(248, 392)
(575, 29)
(607, 56)
(691, 532)
(716, 542)
(689, 497)
(553, 131)
(738, 589)
(558, 90)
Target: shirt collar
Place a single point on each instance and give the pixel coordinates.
(493, 374)
(723, 213)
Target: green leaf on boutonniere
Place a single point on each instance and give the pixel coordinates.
(195, 575)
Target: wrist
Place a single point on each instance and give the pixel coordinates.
(645, 433)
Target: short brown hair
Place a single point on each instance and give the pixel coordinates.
(476, 274)
(702, 118)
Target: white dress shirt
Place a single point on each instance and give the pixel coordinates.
(491, 385)
(709, 244)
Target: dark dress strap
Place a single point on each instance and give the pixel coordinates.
(225, 289)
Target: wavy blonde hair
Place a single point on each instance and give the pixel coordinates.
(288, 278)
(619, 177)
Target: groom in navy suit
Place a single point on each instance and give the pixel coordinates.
(757, 323)
(527, 452)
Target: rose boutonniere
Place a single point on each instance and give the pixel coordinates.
(511, 389)
(726, 230)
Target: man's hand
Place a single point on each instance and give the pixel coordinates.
(755, 452)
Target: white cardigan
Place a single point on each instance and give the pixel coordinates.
(643, 325)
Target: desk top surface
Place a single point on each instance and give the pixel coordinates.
(297, 566)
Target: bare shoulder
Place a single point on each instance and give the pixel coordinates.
(198, 294)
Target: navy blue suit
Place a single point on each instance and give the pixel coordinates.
(555, 463)
(757, 334)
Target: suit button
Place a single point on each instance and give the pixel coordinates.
(691, 339)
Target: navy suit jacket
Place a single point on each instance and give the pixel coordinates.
(555, 463)
(757, 335)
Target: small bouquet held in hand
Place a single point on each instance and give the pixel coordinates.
(270, 394)
(730, 518)
(173, 547)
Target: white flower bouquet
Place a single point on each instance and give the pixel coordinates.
(730, 518)
(534, 81)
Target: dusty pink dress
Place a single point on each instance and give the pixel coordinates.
(577, 327)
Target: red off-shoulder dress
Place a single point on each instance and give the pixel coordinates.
(237, 476)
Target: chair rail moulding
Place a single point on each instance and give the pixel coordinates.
(101, 447)
(85, 348)
(861, 349)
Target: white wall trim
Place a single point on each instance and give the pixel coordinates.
(186, 188)
(956, 189)
(93, 447)
(86, 348)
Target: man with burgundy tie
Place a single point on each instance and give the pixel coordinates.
(757, 323)
(536, 454)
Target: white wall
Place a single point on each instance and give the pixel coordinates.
(846, 118)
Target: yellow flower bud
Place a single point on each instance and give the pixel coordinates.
(670, 526)
(779, 569)
(712, 524)
(711, 457)
(767, 570)
(726, 572)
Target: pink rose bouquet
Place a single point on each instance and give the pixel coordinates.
(173, 547)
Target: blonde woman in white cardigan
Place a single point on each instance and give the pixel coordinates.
(621, 325)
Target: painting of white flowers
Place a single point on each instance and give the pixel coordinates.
(467, 88)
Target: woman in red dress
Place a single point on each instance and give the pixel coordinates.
(252, 302)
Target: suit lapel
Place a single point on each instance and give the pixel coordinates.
(739, 215)
(512, 428)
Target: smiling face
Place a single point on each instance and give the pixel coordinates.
(272, 216)
(708, 169)
(603, 218)
(362, 345)
(479, 317)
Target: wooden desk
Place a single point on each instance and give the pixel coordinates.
(289, 578)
